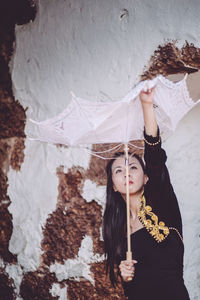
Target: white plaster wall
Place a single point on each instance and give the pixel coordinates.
(33, 192)
(85, 46)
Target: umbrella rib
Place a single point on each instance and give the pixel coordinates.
(99, 156)
(108, 150)
(97, 153)
(135, 146)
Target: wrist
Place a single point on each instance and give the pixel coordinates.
(150, 138)
(147, 105)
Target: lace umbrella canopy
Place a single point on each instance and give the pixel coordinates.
(85, 122)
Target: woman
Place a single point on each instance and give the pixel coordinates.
(156, 271)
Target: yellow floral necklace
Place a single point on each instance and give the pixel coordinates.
(157, 229)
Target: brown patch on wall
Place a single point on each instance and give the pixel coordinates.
(17, 155)
(12, 116)
(82, 290)
(5, 216)
(102, 290)
(11, 153)
(5, 149)
(69, 186)
(36, 285)
(169, 59)
(5, 235)
(191, 55)
(73, 219)
(6, 287)
(103, 286)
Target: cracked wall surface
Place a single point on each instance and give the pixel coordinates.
(52, 197)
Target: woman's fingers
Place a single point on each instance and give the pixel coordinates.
(132, 262)
(127, 272)
(128, 263)
(127, 269)
(146, 95)
(126, 275)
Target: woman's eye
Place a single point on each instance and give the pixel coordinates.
(118, 171)
(133, 167)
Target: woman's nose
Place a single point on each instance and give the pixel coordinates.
(125, 174)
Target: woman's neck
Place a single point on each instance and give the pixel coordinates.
(135, 204)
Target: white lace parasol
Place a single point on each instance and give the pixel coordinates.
(87, 122)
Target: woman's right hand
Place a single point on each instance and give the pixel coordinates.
(147, 97)
(127, 269)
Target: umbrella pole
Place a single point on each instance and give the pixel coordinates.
(128, 253)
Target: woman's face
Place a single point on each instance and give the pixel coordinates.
(137, 178)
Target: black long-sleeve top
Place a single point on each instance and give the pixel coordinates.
(159, 271)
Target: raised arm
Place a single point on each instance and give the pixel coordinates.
(159, 187)
(150, 123)
(154, 155)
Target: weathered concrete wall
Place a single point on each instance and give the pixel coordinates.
(99, 50)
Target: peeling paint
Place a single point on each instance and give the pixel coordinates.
(93, 192)
(56, 290)
(15, 272)
(66, 157)
(80, 266)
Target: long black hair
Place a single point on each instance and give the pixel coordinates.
(114, 222)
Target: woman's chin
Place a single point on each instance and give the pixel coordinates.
(131, 193)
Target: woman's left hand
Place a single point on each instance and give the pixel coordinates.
(127, 269)
(148, 96)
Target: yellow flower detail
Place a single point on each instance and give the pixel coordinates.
(159, 231)
(148, 208)
(162, 224)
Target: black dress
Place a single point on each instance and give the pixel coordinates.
(159, 271)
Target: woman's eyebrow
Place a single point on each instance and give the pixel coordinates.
(117, 167)
(133, 163)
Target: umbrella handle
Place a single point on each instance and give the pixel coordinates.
(129, 255)
(129, 252)
(129, 258)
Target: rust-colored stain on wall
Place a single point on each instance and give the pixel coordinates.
(168, 59)
(74, 217)
(36, 285)
(5, 217)
(102, 290)
(6, 287)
